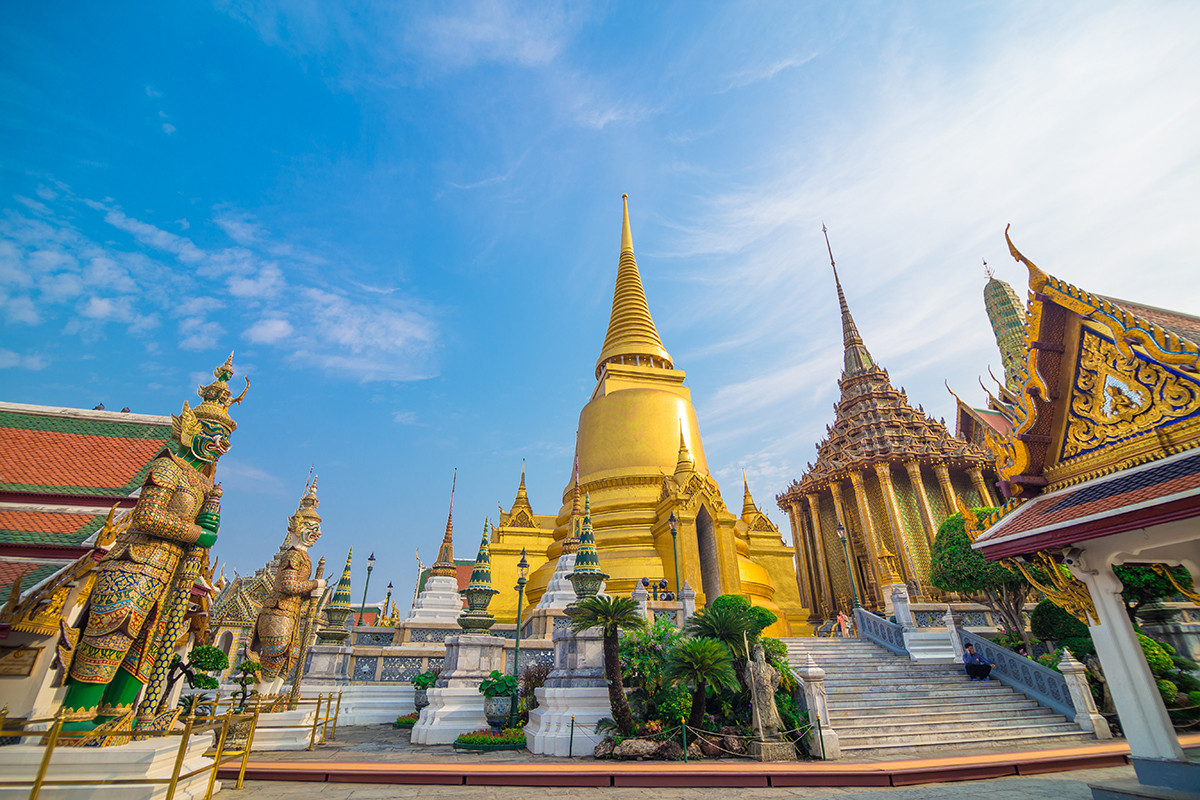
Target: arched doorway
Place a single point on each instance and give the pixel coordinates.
(710, 565)
(225, 642)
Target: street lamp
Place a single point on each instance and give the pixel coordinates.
(841, 533)
(387, 600)
(522, 572)
(370, 566)
(675, 551)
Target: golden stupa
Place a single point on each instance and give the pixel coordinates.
(640, 457)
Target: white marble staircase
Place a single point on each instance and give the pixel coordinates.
(883, 704)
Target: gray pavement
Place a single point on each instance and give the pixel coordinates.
(1056, 786)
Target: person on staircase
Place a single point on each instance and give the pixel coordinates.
(977, 668)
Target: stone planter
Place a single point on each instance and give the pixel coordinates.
(496, 710)
(420, 699)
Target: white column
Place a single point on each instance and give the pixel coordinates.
(822, 741)
(1139, 705)
(1086, 716)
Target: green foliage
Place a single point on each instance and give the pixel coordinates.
(1156, 656)
(1049, 621)
(513, 736)
(1050, 660)
(497, 685)
(406, 721)
(533, 677)
(1193, 698)
(728, 624)
(761, 618)
(1142, 585)
(777, 656)
(643, 653)
(425, 680)
(202, 681)
(1168, 690)
(700, 662)
(610, 614)
(955, 567)
(207, 658)
(244, 676)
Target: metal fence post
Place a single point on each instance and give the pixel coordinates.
(183, 743)
(51, 740)
(312, 741)
(336, 713)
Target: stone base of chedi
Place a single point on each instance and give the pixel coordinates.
(151, 759)
(772, 751)
(455, 704)
(575, 692)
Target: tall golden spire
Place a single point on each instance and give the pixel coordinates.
(857, 359)
(445, 559)
(522, 500)
(572, 540)
(748, 507)
(632, 337)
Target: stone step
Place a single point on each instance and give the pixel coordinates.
(902, 715)
(988, 741)
(894, 685)
(865, 737)
(882, 704)
(935, 692)
(1002, 723)
(948, 670)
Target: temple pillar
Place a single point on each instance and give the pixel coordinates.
(883, 471)
(943, 476)
(914, 477)
(802, 579)
(1147, 727)
(828, 602)
(864, 514)
(985, 496)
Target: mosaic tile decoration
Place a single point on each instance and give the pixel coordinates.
(364, 668)
(376, 639)
(401, 668)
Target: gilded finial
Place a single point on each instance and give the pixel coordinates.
(1037, 278)
(988, 270)
(684, 462)
(748, 507)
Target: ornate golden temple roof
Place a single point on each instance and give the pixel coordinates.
(632, 337)
(874, 422)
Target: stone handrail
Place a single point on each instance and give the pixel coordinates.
(1030, 678)
(883, 633)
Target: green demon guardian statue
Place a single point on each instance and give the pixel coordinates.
(175, 520)
(275, 630)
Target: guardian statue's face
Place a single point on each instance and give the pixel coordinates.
(211, 442)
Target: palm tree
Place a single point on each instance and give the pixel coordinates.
(700, 662)
(610, 615)
(730, 625)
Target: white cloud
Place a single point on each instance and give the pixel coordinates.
(269, 331)
(405, 418)
(268, 281)
(495, 32)
(152, 236)
(199, 334)
(168, 128)
(240, 227)
(30, 361)
(20, 309)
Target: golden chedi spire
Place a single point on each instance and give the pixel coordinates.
(748, 507)
(684, 461)
(445, 558)
(632, 337)
(571, 543)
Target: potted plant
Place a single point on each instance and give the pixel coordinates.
(245, 676)
(421, 686)
(498, 692)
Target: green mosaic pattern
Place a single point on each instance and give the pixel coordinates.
(76, 537)
(914, 529)
(86, 427)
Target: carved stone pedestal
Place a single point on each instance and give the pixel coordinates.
(772, 751)
(574, 690)
(455, 704)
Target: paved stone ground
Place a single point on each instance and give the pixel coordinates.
(1057, 786)
(382, 743)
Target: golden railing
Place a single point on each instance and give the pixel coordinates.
(193, 724)
(271, 703)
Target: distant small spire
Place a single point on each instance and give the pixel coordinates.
(444, 566)
(748, 507)
(987, 270)
(571, 542)
(685, 462)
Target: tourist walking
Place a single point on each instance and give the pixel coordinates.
(977, 668)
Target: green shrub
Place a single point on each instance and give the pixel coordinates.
(1167, 690)
(406, 721)
(486, 736)
(497, 685)
(1050, 660)
(761, 618)
(425, 680)
(1156, 656)
(1193, 698)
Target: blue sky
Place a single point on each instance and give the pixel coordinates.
(405, 219)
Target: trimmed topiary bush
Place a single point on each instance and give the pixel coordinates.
(1167, 690)
(1049, 621)
(1158, 658)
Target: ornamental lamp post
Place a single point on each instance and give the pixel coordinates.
(522, 572)
(363, 608)
(387, 600)
(675, 550)
(841, 533)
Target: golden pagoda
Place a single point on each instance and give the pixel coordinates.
(886, 475)
(641, 460)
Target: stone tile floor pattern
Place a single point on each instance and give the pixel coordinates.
(382, 743)
(1057, 786)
